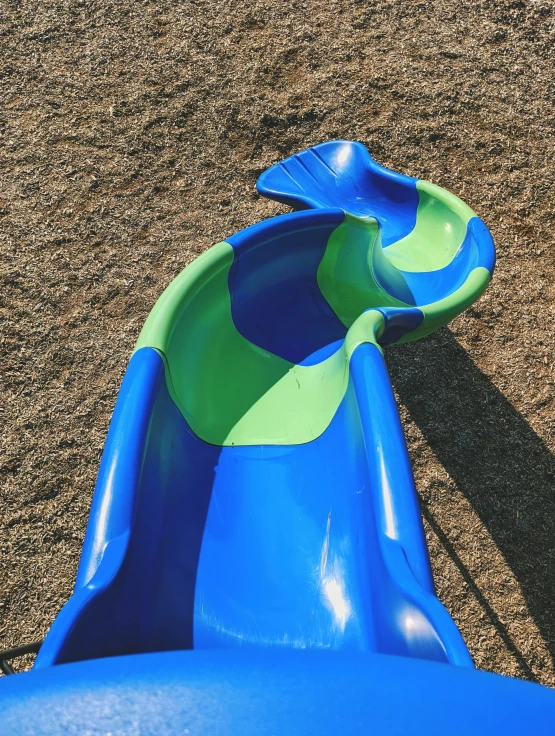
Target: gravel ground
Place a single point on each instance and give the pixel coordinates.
(132, 135)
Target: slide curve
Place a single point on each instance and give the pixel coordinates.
(255, 489)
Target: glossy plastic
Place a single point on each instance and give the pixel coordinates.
(342, 174)
(313, 545)
(275, 298)
(255, 488)
(431, 240)
(255, 491)
(271, 692)
(251, 331)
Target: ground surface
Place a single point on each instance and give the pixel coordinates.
(132, 136)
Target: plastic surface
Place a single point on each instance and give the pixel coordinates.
(255, 492)
(250, 331)
(312, 545)
(264, 692)
(433, 246)
(342, 174)
(255, 488)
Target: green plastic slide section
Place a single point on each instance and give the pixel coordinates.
(230, 391)
(346, 272)
(437, 314)
(368, 328)
(440, 229)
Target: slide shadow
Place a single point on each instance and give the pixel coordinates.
(496, 459)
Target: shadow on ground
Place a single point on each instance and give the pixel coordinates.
(494, 457)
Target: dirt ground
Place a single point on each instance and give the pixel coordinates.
(132, 135)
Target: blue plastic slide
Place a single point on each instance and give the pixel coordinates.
(255, 493)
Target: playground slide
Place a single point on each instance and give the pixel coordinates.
(255, 541)
(255, 489)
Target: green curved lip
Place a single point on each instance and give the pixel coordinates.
(233, 392)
